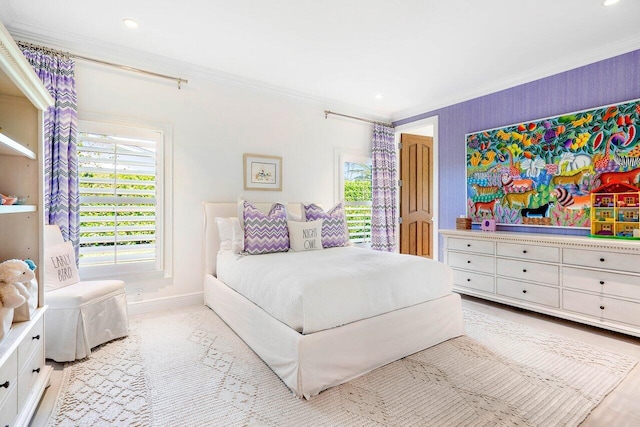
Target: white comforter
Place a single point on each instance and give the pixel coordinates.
(316, 290)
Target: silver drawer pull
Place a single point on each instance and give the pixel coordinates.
(37, 337)
(36, 371)
(602, 307)
(5, 385)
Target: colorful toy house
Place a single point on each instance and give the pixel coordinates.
(615, 211)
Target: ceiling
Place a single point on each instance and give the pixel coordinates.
(417, 54)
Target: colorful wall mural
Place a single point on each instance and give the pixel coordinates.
(542, 172)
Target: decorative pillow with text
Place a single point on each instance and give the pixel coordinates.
(305, 236)
(60, 268)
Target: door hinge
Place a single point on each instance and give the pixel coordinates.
(399, 183)
(400, 220)
(399, 145)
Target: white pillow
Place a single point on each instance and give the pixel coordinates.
(60, 267)
(230, 234)
(305, 236)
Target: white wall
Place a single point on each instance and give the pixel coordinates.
(212, 125)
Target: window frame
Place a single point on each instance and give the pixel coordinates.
(163, 265)
(343, 156)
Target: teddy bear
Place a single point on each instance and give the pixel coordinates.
(15, 275)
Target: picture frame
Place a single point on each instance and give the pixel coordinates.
(542, 172)
(262, 172)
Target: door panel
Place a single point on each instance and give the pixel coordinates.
(416, 202)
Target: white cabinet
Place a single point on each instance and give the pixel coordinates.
(592, 281)
(23, 98)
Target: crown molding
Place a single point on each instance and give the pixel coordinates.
(140, 59)
(576, 61)
(135, 58)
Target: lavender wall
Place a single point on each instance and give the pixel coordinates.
(610, 81)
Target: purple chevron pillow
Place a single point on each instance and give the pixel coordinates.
(265, 234)
(334, 224)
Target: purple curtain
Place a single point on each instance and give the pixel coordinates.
(61, 197)
(383, 188)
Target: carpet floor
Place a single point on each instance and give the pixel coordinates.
(187, 368)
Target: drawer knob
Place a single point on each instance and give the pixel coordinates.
(37, 337)
(468, 280)
(468, 245)
(524, 270)
(602, 282)
(36, 371)
(5, 385)
(468, 262)
(602, 307)
(524, 251)
(601, 259)
(524, 291)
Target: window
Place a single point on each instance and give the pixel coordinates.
(121, 198)
(355, 190)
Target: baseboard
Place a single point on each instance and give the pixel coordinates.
(165, 303)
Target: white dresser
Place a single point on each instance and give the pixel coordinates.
(588, 280)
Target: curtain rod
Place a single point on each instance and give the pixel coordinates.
(327, 112)
(180, 80)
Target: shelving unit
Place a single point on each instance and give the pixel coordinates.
(9, 147)
(23, 98)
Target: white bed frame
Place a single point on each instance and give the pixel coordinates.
(308, 364)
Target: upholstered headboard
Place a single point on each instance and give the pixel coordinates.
(225, 210)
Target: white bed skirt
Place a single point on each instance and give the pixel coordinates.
(311, 363)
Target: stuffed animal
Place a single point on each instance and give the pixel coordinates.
(15, 274)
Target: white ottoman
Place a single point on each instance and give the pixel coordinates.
(82, 316)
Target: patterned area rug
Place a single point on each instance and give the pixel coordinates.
(188, 368)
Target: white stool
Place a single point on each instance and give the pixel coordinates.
(83, 315)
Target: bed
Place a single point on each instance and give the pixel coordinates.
(314, 356)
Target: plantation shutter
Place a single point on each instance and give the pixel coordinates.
(118, 187)
(357, 197)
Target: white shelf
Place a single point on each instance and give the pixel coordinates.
(7, 209)
(9, 147)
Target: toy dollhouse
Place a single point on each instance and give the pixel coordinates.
(615, 211)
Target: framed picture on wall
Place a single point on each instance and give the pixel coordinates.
(262, 172)
(542, 172)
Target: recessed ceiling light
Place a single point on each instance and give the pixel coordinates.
(130, 23)
(378, 97)
(609, 2)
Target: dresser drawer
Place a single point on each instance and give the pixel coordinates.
(530, 252)
(528, 292)
(604, 282)
(8, 375)
(474, 281)
(31, 341)
(29, 373)
(9, 408)
(479, 263)
(471, 245)
(525, 270)
(601, 259)
(601, 307)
